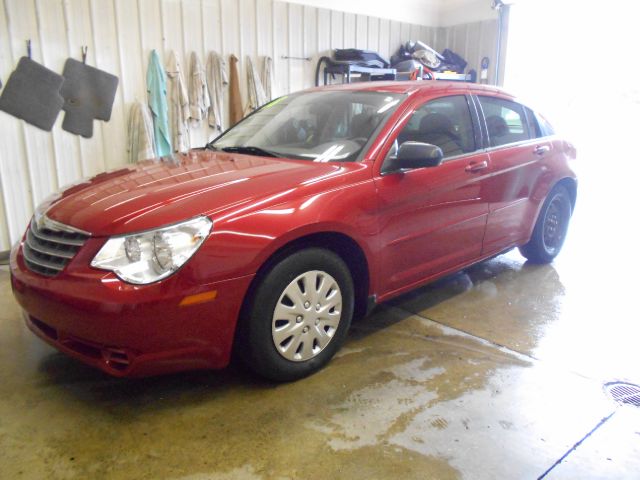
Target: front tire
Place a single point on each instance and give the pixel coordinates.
(551, 227)
(298, 315)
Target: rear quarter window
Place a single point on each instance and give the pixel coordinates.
(545, 127)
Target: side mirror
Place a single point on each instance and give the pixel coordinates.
(415, 155)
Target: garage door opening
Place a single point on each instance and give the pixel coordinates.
(572, 59)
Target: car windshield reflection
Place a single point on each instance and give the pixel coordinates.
(316, 126)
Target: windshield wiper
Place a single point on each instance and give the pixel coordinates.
(249, 150)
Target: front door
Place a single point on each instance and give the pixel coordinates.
(433, 219)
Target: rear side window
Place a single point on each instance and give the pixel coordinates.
(506, 121)
(444, 122)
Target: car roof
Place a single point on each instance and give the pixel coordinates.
(411, 87)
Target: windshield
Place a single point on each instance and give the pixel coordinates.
(318, 126)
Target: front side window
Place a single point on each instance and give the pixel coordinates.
(317, 126)
(506, 121)
(444, 122)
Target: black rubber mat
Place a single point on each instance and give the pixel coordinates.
(88, 94)
(32, 93)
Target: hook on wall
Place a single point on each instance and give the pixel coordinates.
(84, 51)
(286, 57)
(29, 48)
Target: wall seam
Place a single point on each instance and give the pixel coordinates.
(65, 15)
(101, 125)
(53, 163)
(23, 129)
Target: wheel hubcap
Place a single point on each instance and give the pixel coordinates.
(306, 316)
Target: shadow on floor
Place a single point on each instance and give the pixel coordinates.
(95, 387)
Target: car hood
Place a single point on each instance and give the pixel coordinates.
(164, 191)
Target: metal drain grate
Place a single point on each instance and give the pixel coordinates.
(625, 393)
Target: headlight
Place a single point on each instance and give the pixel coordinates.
(150, 256)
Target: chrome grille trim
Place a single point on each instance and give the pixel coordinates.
(45, 222)
(62, 233)
(66, 241)
(31, 258)
(36, 244)
(50, 245)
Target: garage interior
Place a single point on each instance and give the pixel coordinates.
(504, 370)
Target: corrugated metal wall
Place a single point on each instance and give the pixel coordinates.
(472, 41)
(121, 33)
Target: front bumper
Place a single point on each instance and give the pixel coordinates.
(129, 330)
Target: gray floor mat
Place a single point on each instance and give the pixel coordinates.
(88, 93)
(32, 93)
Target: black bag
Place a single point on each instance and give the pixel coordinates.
(401, 56)
(366, 58)
(452, 61)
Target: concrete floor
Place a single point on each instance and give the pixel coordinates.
(496, 372)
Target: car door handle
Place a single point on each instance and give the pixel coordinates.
(541, 149)
(476, 166)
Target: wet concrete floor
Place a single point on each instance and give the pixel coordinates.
(495, 372)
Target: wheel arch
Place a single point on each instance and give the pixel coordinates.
(541, 195)
(339, 243)
(245, 346)
(572, 187)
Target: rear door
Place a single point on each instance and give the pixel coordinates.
(432, 219)
(516, 157)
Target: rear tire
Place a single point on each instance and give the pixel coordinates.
(551, 227)
(298, 315)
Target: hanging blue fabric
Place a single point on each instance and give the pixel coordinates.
(157, 91)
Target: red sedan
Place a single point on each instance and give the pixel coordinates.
(269, 240)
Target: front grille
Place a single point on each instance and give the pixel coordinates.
(49, 246)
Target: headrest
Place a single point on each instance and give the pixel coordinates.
(497, 126)
(362, 124)
(436, 123)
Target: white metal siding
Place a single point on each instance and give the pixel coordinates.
(120, 35)
(472, 41)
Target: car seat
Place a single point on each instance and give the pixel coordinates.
(362, 125)
(437, 129)
(497, 127)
